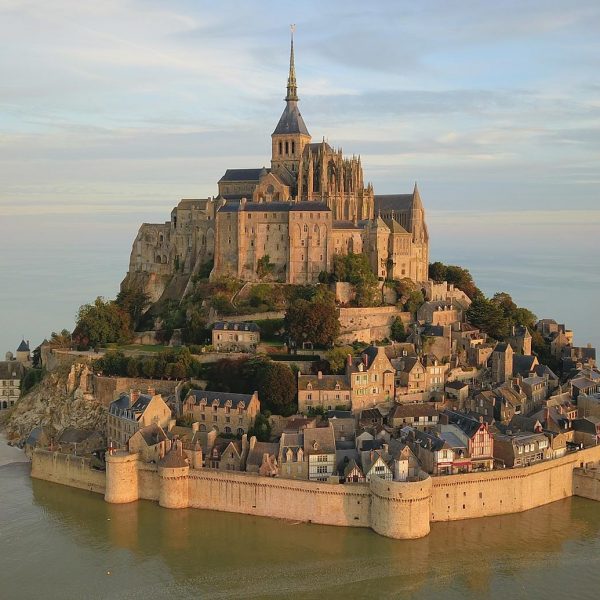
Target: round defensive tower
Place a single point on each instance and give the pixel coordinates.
(173, 472)
(400, 509)
(121, 477)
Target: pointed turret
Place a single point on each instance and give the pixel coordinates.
(416, 198)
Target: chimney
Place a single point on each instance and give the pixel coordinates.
(134, 395)
(319, 374)
(151, 391)
(349, 360)
(365, 358)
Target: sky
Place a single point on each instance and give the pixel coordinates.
(122, 107)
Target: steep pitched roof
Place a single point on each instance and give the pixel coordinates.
(23, 346)
(220, 397)
(399, 202)
(291, 120)
(241, 175)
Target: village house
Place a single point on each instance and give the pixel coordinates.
(457, 392)
(11, 373)
(520, 449)
(291, 459)
(576, 357)
(434, 454)
(411, 382)
(130, 412)
(222, 411)
(350, 471)
(323, 391)
(480, 442)
(439, 312)
(371, 378)
(586, 381)
(405, 463)
(150, 442)
(375, 463)
(80, 441)
(343, 423)
(235, 337)
(520, 339)
(319, 450)
(524, 365)
(421, 415)
(226, 455)
(536, 390)
(502, 363)
(262, 458)
(435, 376)
(587, 431)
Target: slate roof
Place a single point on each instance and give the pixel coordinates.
(23, 346)
(227, 326)
(291, 120)
(255, 456)
(400, 411)
(221, 397)
(397, 202)
(523, 364)
(153, 434)
(173, 459)
(586, 424)
(429, 441)
(324, 439)
(457, 385)
(71, 435)
(325, 382)
(304, 206)
(241, 175)
(467, 424)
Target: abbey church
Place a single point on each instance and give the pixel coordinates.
(285, 223)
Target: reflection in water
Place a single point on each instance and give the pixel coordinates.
(72, 539)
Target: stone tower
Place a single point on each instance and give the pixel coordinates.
(291, 134)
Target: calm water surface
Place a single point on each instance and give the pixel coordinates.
(64, 543)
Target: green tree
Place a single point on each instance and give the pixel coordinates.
(414, 301)
(102, 322)
(489, 317)
(61, 340)
(261, 428)
(458, 276)
(133, 300)
(316, 322)
(397, 330)
(337, 357)
(356, 269)
(276, 387)
(264, 267)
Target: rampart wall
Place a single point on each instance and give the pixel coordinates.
(368, 324)
(67, 469)
(504, 491)
(400, 510)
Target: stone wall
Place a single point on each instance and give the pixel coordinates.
(368, 324)
(400, 510)
(66, 469)
(472, 495)
(107, 389)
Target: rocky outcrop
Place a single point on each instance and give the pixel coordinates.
(62, 399)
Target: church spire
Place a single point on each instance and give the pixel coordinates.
(292, 89)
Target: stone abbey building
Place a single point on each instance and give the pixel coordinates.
(311, 204)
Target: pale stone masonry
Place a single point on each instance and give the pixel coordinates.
(286, 222)
(221, 411)
(134, 411)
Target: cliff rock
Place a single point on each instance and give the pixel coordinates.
(62, 399)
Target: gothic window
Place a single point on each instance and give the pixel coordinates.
(305, 228)
(293, 147)
(279, 148)
(287, 147)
